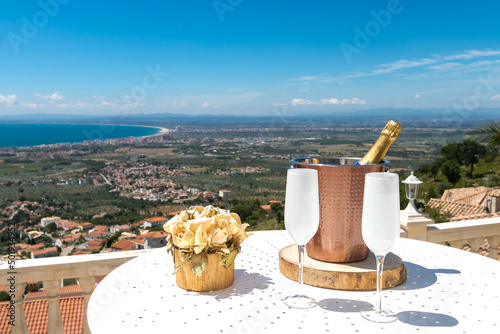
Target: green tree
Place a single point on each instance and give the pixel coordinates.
(434, 169)
(276, 207)
(52, 227)
(243, 210)
(453, 152)
(4, 296)
(436, 214)
(451, 169)
(471, 152)
(113, 239)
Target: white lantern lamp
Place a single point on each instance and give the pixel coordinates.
(411, 188)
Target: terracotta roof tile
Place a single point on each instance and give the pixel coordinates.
(124, 245)
(156, 219)
(36, 313)
(81, 253)
(155, 234)
(456, 209)
(65, 291)
(471, 195)
(45, 250)
(4, 317)
(474, 217)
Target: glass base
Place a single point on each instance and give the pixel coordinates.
(300, 301)
(383, 316)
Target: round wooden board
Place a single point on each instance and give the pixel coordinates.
(360, 275)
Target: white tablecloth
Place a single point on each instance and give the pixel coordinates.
(447, 291)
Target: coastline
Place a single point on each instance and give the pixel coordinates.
(161, 130)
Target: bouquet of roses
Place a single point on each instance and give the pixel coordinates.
(199, 231)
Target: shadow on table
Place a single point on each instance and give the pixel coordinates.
(419, 277)
(427, 319)
(244, 282)
(343, 305)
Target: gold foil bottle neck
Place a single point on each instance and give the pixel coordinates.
(378, 151)
(392, 129)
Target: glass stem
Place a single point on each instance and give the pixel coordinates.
(301, 268)
(380, 270)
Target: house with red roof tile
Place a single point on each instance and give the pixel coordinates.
(155, 239)
(123, 245)
(80, 252)
(468, 203)
(85, 226)
(67, 240)
(139, 241)
(153, 222)
(46, 252)
(119, 228)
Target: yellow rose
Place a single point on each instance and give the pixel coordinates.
(197, 211)
(219, 234)
(184, 216)
(209, 211)
(238, 230)
(171, 221)
(200, 228)
(182, 235)
(200, 239)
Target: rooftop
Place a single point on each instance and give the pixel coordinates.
(36, 313)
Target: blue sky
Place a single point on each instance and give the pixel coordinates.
(246, 57)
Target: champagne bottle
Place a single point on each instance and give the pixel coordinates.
(381, 146)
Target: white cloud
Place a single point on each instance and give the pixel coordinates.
(301, 102)
(443, 66)
(308, 78)
(417, 96)
(435, 62)
(8, 99)
(52, 98)
(179, 105)
(31, 104)
(208, 105)
(279, 104)
(472, 54)
(330, 101)
(495, 98)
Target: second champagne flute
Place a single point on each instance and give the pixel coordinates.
(380, 228)
(301, 221)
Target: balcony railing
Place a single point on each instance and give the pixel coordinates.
(479, 236)
(85, 268)
(51, 271)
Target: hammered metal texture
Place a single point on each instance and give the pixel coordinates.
(341, 190)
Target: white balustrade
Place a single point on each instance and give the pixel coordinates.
(51, 271)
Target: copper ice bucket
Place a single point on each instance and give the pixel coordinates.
(341, 187)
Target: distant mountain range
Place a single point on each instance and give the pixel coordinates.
(171, 119)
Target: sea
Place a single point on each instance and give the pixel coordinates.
(24, 134)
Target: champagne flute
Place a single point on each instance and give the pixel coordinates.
(301, 221)
(380, 229)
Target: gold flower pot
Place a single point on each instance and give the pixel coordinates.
(214, 277)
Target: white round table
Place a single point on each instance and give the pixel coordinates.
(447, 291)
